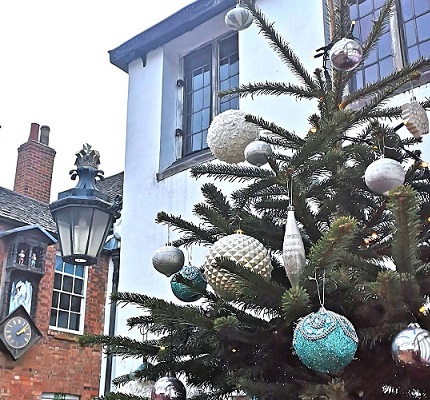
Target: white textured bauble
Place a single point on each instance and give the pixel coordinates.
(411, 346)
(346, 54)
(229, 134)
(244, 250)
(258, 152)
(168, 260)
(238, 18)
(384, 175)
(415, 118)
(168, 388)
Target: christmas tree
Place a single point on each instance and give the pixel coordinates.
(318, 263)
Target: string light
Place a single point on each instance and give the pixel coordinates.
(374, 235)
(313, 130)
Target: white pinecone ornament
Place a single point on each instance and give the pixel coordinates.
(244, 250)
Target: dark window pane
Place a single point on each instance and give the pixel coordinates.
(386, 66)
(423, 27)
(197, 142)
(371, 73)
(55, 297)
(205, 118)
(207, 97)
(64, 301)
(57, 281)
(366, 25)
(74, 321)
(206, 76)
(197, 79)
(425, 49)
(62, 319)
(76, 304)
(384, 46)
(413, 54)
(421, 6)
(198, 100)
(67, 283)
(379, 3)
(365, 7)
(196, 123)
(224, 69)
(79, 286)
(53, 318)
(407, 11)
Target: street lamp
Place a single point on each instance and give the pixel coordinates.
(83, 215)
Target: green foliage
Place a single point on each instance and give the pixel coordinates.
(367, 255)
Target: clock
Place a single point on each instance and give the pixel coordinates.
(18, 332)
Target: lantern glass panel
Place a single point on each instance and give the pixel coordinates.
(101, 223)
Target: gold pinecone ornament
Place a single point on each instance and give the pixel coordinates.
(242, 249)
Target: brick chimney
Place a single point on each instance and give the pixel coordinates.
(34, 166)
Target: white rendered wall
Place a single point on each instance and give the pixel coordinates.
(152, 119)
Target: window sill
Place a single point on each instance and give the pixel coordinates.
(185, 163)
(62, 335)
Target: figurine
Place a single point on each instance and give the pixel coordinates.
(33, 260)
(21, 257)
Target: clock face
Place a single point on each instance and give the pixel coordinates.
(17, 332)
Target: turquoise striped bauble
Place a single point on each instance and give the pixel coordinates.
(184, 292)
(238, 18)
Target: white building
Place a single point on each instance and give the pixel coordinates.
(159, 146)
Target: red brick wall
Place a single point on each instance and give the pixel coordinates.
(34, 171)
(56, 363)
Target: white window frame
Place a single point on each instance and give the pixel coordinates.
(62, 396)
(83, 304)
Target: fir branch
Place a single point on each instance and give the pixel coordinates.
(282, 48)
(269, 89)
(230, 173)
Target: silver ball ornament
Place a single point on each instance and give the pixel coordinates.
(168, 388)
(384, 175)
(238, 18)
(346, 54)
(168, 260)
(412, 346)
(258, 152)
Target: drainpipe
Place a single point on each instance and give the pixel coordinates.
(112, 317)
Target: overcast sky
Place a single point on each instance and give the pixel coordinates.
(55, 71)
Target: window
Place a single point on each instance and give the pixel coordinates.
(206, 71)
(68, 297)
(59, 396)
(397, 47)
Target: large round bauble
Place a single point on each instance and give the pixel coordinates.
(244, 250)
(325, 341)
(184, 292)
(168, 388)
(168, 260)
(229, 134)
(415, 118)
(346, 54)
(384, 175)
(258, 152)
(238, 18)
(412, 346)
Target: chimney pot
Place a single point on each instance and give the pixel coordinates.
(34, 132)
(44, 134)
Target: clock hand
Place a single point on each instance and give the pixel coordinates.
(22, 330)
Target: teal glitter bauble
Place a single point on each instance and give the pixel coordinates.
(325, 341)
(184, 292)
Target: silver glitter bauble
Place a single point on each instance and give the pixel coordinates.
(244, 250)
(346, 54)
(229, 134)
(258, 152)
(168, 260)
(238, 18)
(384, 175)
(293, 251)
(412, 346)
(168, 388)
(415, 118)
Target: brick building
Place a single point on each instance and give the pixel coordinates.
(57, 301)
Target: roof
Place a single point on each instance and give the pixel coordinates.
(35, 228)
(184, 20)
(21, 210)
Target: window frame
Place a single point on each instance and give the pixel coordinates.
(398, 47)
(83, 299)
(215, 87)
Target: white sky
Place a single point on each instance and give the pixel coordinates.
(55, 71)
